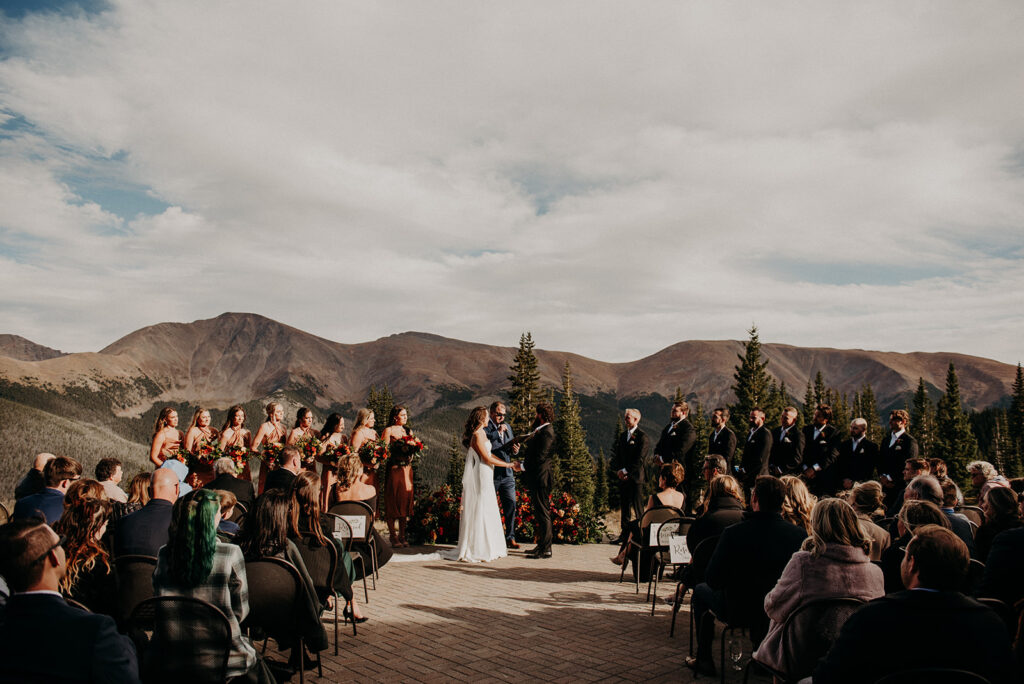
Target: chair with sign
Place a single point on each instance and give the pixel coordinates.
(364, 537)
(642, 548)
(322, 563)
(673, 527)
(693, 574)
(341, 530)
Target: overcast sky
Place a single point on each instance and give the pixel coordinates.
(614, 177)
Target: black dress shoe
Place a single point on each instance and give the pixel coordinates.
(539, 554)
(511, 544)
(704, 667)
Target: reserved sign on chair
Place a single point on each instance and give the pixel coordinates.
(679, 552)
(357, 523)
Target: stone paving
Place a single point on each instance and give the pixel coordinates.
(564, 619)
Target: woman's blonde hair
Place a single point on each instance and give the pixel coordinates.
(866, 498)
(361, 418)
(350, 467)
(798, 502)
(833, 521)
(724, 485)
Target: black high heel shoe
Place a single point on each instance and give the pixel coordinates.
(347, 614)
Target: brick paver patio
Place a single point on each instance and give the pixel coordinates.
(564, 620)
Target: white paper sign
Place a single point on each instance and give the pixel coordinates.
(679, 552)
(655, 529)
(356, 522)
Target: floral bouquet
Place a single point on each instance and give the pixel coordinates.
(206, 453)
(405, 451)
(182, 455)
(271, 454)
(310, 450)
(332, 458)
(435, 519)
(373, 453)
(239, 455)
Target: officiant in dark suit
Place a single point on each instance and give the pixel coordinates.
(538, 476)
(499, 434)
(722, 440)
(787, 445)
(821, 436)
(757, 450)
(629, 461)
(678, 442)
(893, 452)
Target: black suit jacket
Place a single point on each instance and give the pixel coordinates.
(916, 629)
(678, 444)
(787, 452)
(821, 452)
(279, 478)
(757, 452)
(537, 460)
(1004, 568)
(32, 483)
(43, 639)
(724, 446)
(144, 531)
(858, 465)
(632, 453)
(242, 489)
(892, 458)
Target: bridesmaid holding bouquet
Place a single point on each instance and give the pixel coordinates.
(398, 500)
(167, 438)
(363, 432)
(234, 435)
(332, 436)
(201, 442)
(271, 432)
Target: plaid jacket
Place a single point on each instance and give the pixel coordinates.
(226, 588)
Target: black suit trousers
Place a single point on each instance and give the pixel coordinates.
(540, 499)
(631, 496)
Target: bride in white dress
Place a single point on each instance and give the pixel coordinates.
(481, 537)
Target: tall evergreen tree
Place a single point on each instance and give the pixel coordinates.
(380, 402)
(571, 446)
(752, 384)
(456, 466)
(1015, 418)
(776, 401)
(702, 426)
(600, 484)
(807, 410)
(868, 410)
(523, 394)
(922, 420)
(954, 440)
(613, 490)
(679, 395)
(819, 390)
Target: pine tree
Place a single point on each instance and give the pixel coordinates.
(807, 412)
(751, 386)
(613, 490)
(868, 410)
(456, 466)
(571, 446)
(776, 401)
(819, 391)
(600, 506)
(702, 426)
(380, 402)
(524, 393)
(1015, 419)
(922, 420)
(840, 411)
(679, 395)
(954, 440)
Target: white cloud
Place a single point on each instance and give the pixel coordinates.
(614, 178)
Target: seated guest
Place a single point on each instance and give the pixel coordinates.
(670, 475)
(180, 471)
(912, 467)
(866, 499)
(747, 563)
(949, 497)
(287, 468)
(84, 490)
(194, 564)
(33, 482)
(42, 638)
(723, 507)
(305, 518)
(145, 531)
(225, 479)
(939, 469)
(914, 514)
(832, 563)
(266, 536)
(351, 486)
(796, 507)
(1001, 514)
(89, 577)
(138, 493)
(984, 476)
(109, 473)
(1005, 568)
(48, 504)
(927, 488)
(227, 529)
(931, 624)
(714, 465)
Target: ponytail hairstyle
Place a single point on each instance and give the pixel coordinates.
(193, 538)
(269, 409)
(161, 420)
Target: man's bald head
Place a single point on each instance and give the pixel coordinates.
(41, 460)
(164, 485)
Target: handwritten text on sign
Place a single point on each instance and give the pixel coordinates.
(357, 523)
(678, 550)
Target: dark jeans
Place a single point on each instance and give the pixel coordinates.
(704, 601)
(506, 488)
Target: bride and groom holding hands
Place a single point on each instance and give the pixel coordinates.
(490, 447)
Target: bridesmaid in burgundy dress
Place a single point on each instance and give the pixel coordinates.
(200, 433)
(271, 432)
(234, 434)
(398, 499)
(167, 438)
(331, 437)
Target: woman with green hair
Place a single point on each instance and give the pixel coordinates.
(195, 564)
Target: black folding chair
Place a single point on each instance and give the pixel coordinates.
(181, 639)
(642, 546)
(975, 575)
(134, 583)
(275, 588)
(1005, 612)
(933, 675)
(663, 555)
(699, 559)
(322, 563)
(973, 514)
(339, 528)
(5, 515)
(360, 508)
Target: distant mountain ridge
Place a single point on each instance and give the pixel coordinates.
(237, 357)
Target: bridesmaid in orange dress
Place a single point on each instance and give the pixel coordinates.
(234, 434)
(399, 497)
(331, 437)
(270, 432)
(363, 432)
(200, 432)
(303, 429)
(167, 438)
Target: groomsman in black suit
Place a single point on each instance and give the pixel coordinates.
(787, 445)
(757, 450)
(820, 438)
(537, 475)
(856, 457)
(629, 460)
(722, 440)
(893, 452)
(678, 442)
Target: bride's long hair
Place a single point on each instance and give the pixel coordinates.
(477, 417)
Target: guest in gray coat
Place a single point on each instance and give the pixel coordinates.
(832, 563)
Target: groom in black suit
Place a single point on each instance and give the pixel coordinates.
(538, 477)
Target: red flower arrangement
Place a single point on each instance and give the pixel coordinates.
(271, 454)
(435, 519)
(373, 453)
(206, 453)
(239, 455)
(310, 450)
(405, 450)
(332, 458)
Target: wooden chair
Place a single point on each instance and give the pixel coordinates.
(663, 556)
(360, 508)
(134, 583)
(180, 639)
(659, 514)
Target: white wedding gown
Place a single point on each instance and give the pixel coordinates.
(481, 536)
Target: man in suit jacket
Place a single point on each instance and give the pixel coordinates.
(33, 482)
(893, 452)
(283, 476)
(931, 624)
(147, 529)
(538, 472)
(787, 445)
(499, 433)
(745, 566)
(42, 638)
(226, 480)
(722, 440)
(821, 438)
(856, 457)
(48, 505)
(757, 450)
(629, 462)
(678, 442)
